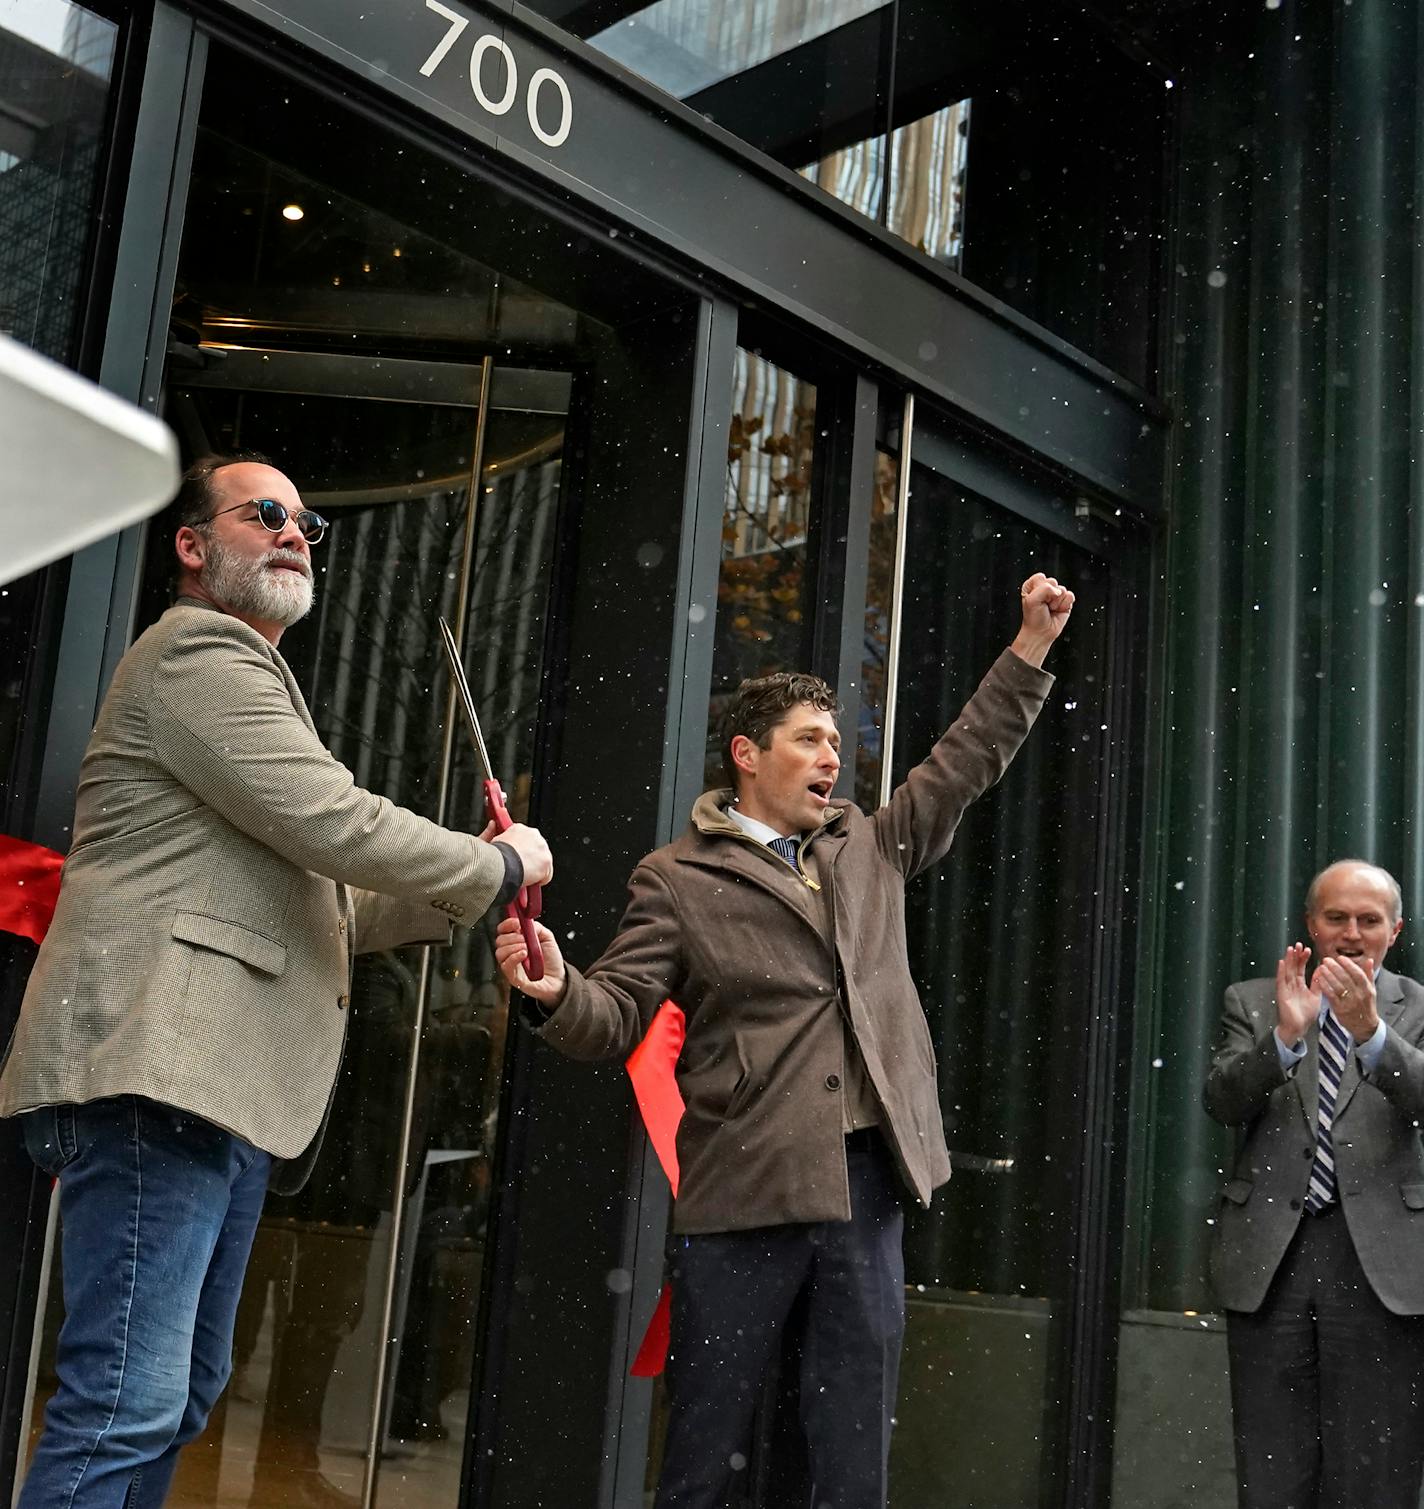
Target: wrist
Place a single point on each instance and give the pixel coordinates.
(1032, 648)
(513, 873)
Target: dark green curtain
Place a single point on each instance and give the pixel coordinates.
(1287, 701)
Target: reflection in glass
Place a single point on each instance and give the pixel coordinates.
(879, 601)
(1000, 936)
(684, 46)
(763, 588)
(55, 63)
(928, 166)
(854, 174)
(802, 80)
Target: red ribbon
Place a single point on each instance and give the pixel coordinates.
(652, 1355)
(29, 887)
(652, 1066)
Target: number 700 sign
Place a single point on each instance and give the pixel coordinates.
(501, 104)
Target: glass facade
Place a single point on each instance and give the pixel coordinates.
(996, 933)
(55, 62)
(874, 103)
(802, 80)
(766, 583)
(879, 610)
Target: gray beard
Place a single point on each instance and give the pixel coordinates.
(244, 585)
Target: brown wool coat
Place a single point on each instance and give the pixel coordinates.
(728, 931)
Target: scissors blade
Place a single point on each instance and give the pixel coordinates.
(466, 701)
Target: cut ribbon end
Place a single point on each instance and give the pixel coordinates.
(29, 887)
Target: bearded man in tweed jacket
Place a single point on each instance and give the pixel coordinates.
(182, 1028)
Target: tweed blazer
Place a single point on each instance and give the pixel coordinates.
(224, 871)
(735, 936)
(1379, 1165)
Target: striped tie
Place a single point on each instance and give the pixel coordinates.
(1334, 1050)
(786, 847)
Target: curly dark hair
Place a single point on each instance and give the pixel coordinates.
(762, 702)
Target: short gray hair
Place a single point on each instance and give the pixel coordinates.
(1312, 895)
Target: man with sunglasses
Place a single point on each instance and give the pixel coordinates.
(183, 1025)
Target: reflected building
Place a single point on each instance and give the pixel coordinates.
(55, 91)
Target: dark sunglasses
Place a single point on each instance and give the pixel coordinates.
(273, 515)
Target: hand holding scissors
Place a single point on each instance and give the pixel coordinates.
(529, 903)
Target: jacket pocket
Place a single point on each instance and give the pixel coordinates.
(1238, 1191)
(1412, 1195)
(258, 950)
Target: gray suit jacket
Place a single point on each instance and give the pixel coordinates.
(1378, 1161)
(224, 872)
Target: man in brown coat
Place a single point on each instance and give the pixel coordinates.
(777, 923)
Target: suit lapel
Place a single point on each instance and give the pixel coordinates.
(1389, 1001)
(1389, 998)
(1307, 1080)
(1349, 1081)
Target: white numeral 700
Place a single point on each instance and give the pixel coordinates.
(503, 103)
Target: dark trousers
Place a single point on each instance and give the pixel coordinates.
(1327, 1386)
(157, 1212)
(732, 1293)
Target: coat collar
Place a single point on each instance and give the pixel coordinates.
(716, 842)
(709, 816)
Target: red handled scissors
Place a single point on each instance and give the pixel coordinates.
(530, 902)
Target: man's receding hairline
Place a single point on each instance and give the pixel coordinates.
(1391, 885)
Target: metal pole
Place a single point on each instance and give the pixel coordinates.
(897, 596)
(387, 1342)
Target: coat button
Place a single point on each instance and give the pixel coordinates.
(342, 1002)
(833, 1081)
(1295, 1204)
(341, 926)
(1308, 1152)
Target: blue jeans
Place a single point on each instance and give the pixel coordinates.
(157, 1212)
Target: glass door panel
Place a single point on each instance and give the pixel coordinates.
(1000, 938)
(395, 479)
(765, 586)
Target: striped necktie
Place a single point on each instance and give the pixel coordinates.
(786, 847)
(1334, 1050)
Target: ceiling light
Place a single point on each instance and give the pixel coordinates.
(292, 212)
